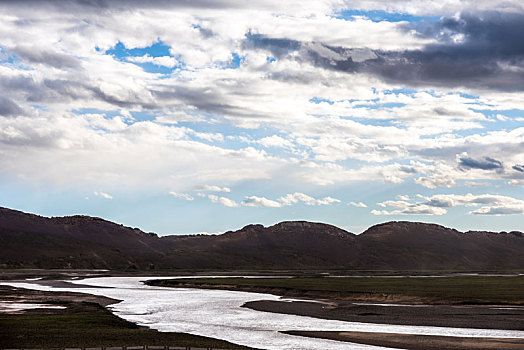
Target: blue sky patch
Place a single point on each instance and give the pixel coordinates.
(318, 100)
(379, 16)
(380, 105)
(236, 60)
(107, 113)
(158, 49)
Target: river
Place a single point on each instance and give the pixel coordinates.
(218, 314)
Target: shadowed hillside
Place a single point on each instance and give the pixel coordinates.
(31, 241)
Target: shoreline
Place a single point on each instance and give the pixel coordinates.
(325, 305)
(375, 308)
(81, 320)
(373, 296)
(415, 342)
(479, 317)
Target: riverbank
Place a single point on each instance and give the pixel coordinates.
(416, 342)
(482, 317)
(484, 302)
(82, 322)
(457, 290)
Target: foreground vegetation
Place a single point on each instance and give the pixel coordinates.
(457, 289)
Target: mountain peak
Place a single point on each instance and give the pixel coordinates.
(28, 240)
(397, 227)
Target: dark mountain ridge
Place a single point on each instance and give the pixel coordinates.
(32, 241)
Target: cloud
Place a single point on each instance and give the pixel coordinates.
(254, 201)
(294, 198)
(478, 184)
(103, 195)
(165, 61)
(185, 196)
(498, 211)
(275, 141)
(315, 100)
(8, 108)
(477, 50)
(435, 205)
(45, 56)
(358, 204)
(405, 208)
(486, 164)
(223, 201)
(435, 182)
(212, 188)
(519, 168)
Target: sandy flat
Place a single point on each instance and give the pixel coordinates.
(416, 342)
(461, 316)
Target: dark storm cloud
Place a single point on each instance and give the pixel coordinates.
(279, 47)
(83, 6)
(485, 164)
(207, 100)
(483, 51)
(476, 50)
(518, 168)
(8, 108)
(62, 90)
(50, 58)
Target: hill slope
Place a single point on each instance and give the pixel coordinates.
(32, 241)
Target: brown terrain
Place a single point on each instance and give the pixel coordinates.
(32, 241)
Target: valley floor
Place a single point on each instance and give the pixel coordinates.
(487, 302)
(490, 302)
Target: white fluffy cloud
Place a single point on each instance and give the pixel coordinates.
(223, 201)
(165, 61)
(254, 201)
(487, 204)
(435, 182)
(405, 208)
(212, 188)
(297, 197)
(103, 195)
(185, 196)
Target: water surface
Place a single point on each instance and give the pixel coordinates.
(218, 314)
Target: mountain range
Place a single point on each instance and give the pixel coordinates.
(32, 241)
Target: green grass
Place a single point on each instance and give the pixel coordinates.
(89, 325)
(465, 289)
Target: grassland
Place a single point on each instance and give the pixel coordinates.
(445, 290)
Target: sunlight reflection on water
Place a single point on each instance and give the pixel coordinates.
(218, 314)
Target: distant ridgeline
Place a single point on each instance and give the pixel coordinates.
(31, 241)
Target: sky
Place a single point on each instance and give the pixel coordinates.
(204, 116)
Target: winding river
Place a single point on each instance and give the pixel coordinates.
(218, 314)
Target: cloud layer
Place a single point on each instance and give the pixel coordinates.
(255, 105)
